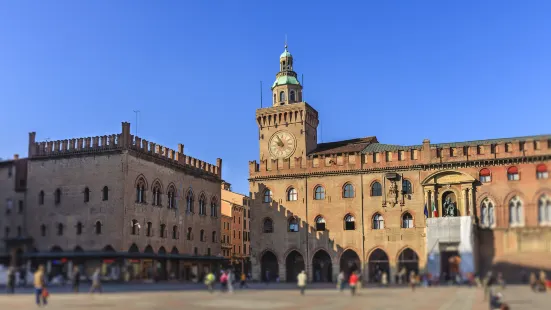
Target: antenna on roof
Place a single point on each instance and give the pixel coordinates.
(261, 94)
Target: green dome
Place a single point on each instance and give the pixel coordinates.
(285, 54)
(285, 80)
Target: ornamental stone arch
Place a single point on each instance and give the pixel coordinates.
(539, 193)
(437, 186)
(143, 179)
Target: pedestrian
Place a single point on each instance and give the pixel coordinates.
(488, 282)
(501, 280)
(384, 279)
(340, 281)
(231, 280)
(40, 291)
(267, 275)
(223, 281)
(533, 281)
(353, 282)
(76, 279)
(301, 282)
(11, 281)
(96, 282)
(412, 280)
(209, 281)
(243, 281)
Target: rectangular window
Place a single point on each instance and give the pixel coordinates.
(465, 151)
(20, 209)
(493, 149)
(480, 150)
(536, 145)
(400, 155)
(413, 154)
(541, 176)
(375, 157)
(208, 251)
(388, 156)
(9, 206)
(513, 176)
(239, 249)
(452, 152)
(521, 146)
(485, 179)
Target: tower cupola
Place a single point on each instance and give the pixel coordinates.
(286, 88)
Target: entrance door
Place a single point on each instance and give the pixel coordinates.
(294, 264)
(449, 264)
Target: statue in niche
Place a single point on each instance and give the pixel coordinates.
(393, 193)
(450, 207)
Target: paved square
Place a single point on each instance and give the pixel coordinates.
(283, 298)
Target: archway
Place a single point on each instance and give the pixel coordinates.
(350, 262)
(161, 264)
(269, 266)
(133, 249)
(378, 265)
(408, 261)
(108, 248)
(294, 264)
(322, 267)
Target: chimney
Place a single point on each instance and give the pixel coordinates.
(181, 148)
(32, 141)
(219, 165)
(426, 150)
(125, 134)
(16, 156)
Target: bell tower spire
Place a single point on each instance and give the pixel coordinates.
(286, 88)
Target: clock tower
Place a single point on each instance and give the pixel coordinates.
(288, 129)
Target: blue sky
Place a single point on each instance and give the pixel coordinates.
(400, 70)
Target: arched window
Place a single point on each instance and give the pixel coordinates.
(512, 174)
(349, 222)
(86, 194)
(171, 197)
(376, 189)
(57, 196)
(98, 228)
(140, 191)
(487, 215)
(292, 194)
(189, 201)
(202, 205)
(293, 224)
(213, 237)
(213, 207)
(43, 230)
(407, 189)
(135, 227)
(202, 235)
(348, 191)
(378, 221)
(162, 231)
(320, 223)
(188, 235)
(544, 210)
(292, 96)
(407, 220)
(105, 193)
(319, 193)
(156, 194)
(41, 198)
(485, 175)
(275, 98)
(267, 196)
(268, 226)
(541, 172)
(281, 96)
(149, 231)
(515, 212)
(174, 232)
(79, 228)
(60, 229)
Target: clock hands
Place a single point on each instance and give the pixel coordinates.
(279, 142)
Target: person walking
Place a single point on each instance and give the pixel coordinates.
(231, 280)
(301, 282)
(340, 281)
(533, 281)
(243, 281)
(412, 280)
(11, 281)
(40, 287)
(76, 279)
(223, 281)
(353, 282)
(209, 281)
(96, 282)
(384, 279)
(488, 282)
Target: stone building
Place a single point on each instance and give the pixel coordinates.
(362, 205)
(236, 207)
(137, 209)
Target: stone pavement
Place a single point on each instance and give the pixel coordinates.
(439, 298)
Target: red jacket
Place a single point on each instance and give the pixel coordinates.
(353, 280)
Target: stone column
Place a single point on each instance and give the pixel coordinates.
(435, 202)
(465, 201)
(471, 191)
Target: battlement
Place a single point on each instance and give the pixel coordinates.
(121, 141)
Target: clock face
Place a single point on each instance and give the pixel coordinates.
(282, 144)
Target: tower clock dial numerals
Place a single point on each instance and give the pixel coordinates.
(282, 144)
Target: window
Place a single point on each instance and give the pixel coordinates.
(320, 223)
(267, 196)
(86, 194)
(149, 231)
(202, 235)
(140, 191)
(57, 196)
(349, 222)
(162, 232)
(213, 237)
(20, 207)
(487, 215)
(544, 210)
(239, 234)
(348, 191)
(174, 232)
(515, 211)
(79, 228)
(189, 202)
(188, 235)
(135, 227)
(376, 189)
(407, 189)
(292, 194)
(202, 206)
(407, 220)
(319, 193)
(512, 174)
(208, 251)
(268, 226)
(536, 145)
(60, 229)
(213, 207)
(281, 96)
(9, 206)
(292, 96)
(41, 198)
(43, 230)
(485, 175)
(156, 195)
(275, 98)
(105, 193)
(293, 224)
(378, 221)
(541, 172)
(508, 147)
(195, 252)
(171, 198)
(98, 228)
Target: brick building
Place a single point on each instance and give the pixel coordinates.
(360, 205)
(134, 208)
(236, 208)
